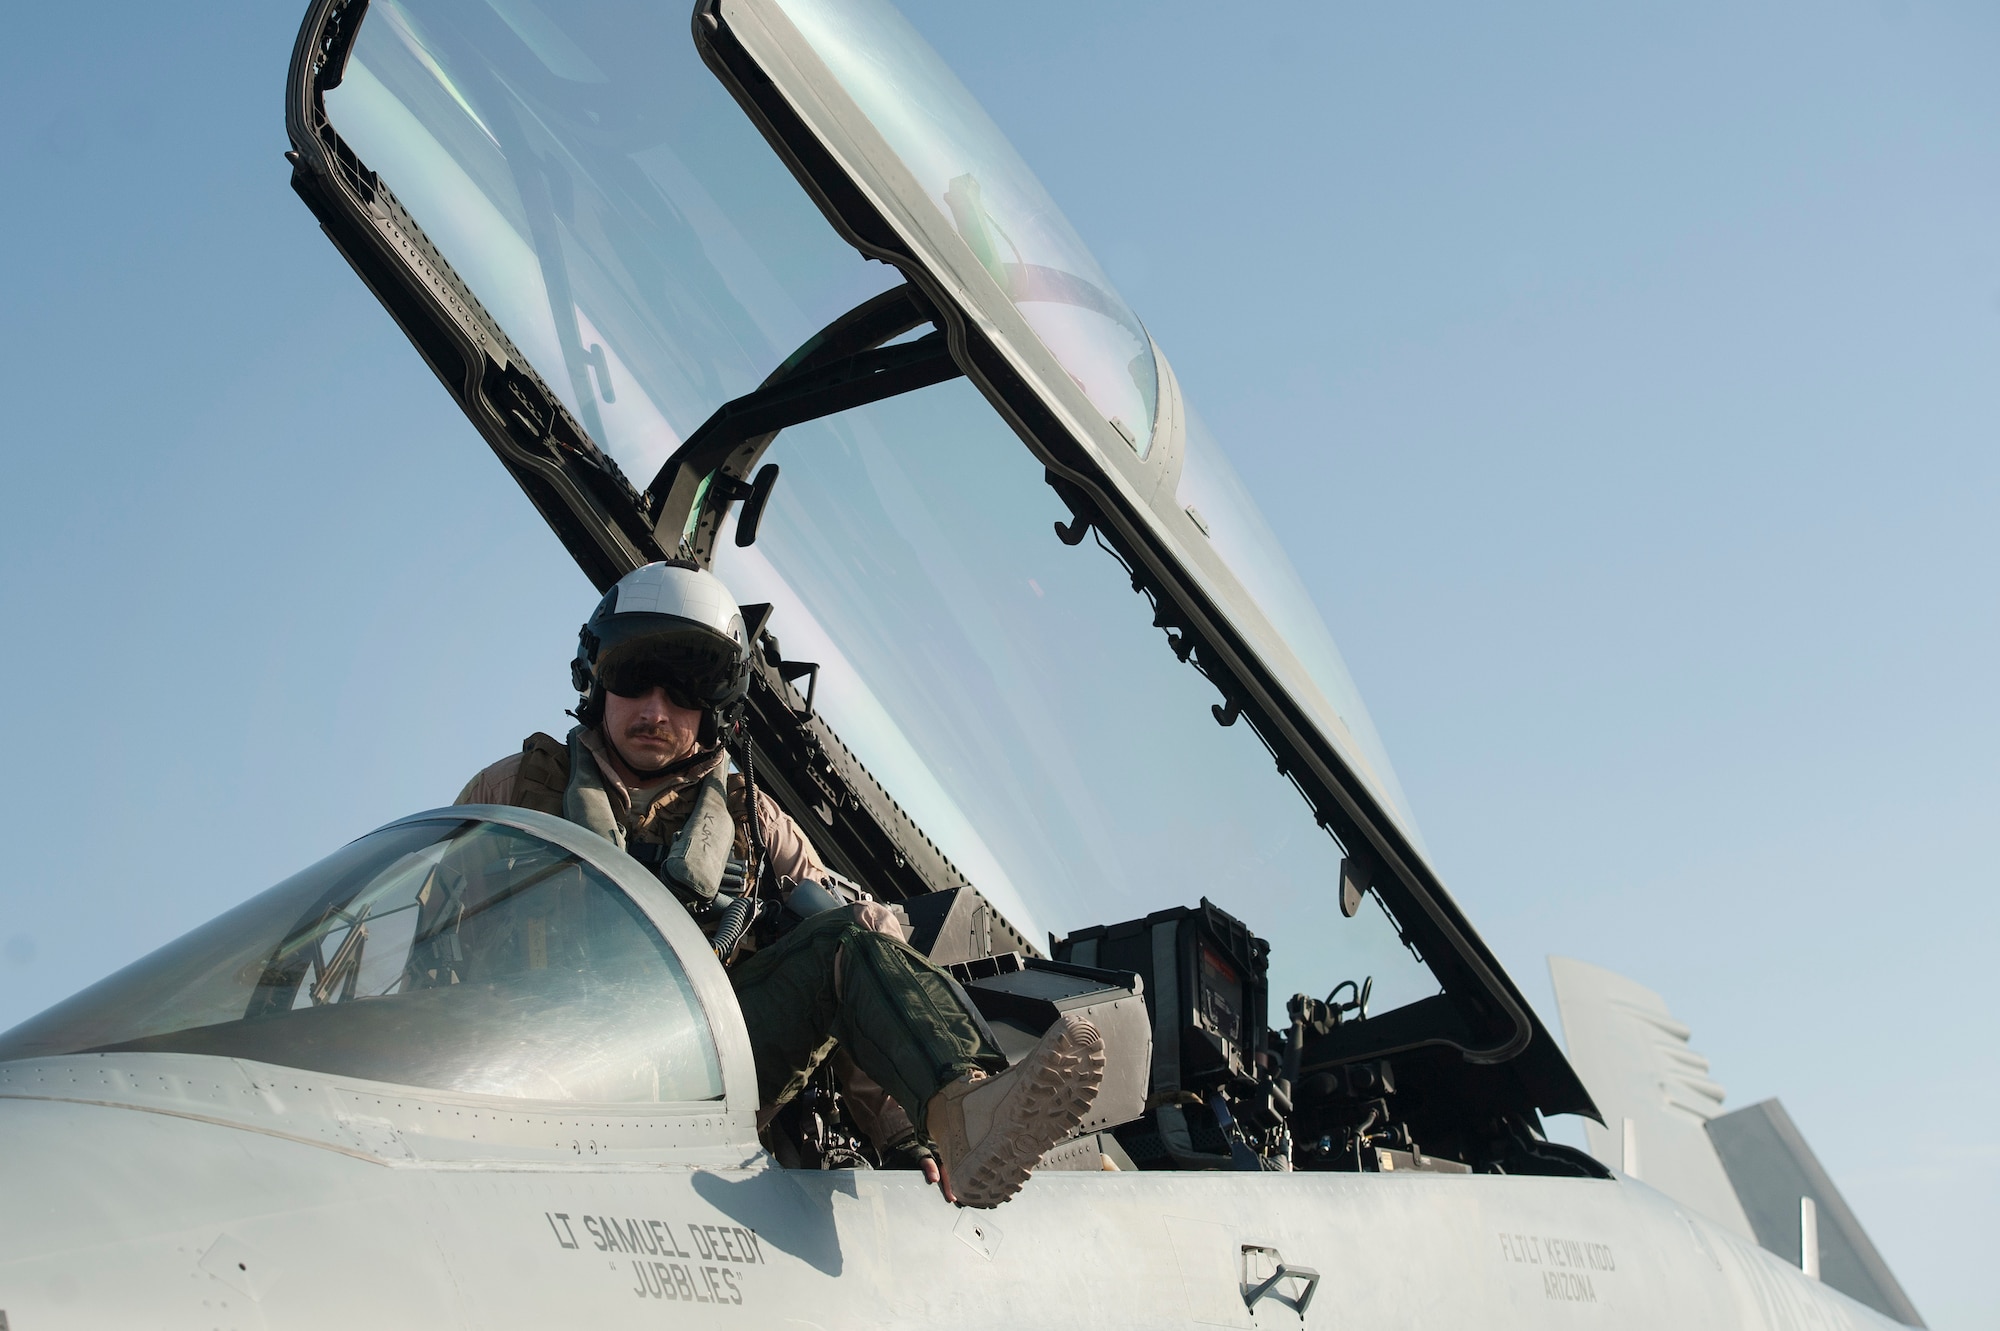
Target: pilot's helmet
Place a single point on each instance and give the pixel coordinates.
(671, 624)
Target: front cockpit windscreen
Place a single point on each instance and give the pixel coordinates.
(609, 204)
(451, 955)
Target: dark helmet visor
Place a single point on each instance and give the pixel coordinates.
(696, 666)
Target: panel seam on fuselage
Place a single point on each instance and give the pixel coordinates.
(201, 1118)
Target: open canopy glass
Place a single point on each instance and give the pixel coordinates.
(963, 201)
(612, 209)
(994, 203)
(634, 255)
(604, 200)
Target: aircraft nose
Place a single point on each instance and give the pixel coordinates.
(109, 1213)
(119, 1215)
(122, 1217)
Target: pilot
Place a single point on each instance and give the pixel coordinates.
(663, 667)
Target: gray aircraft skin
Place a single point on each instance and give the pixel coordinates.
(328, 1109)
(172, 1189)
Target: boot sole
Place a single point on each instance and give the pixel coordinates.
(1059, 1080)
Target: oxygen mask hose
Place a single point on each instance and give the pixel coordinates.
(743, 751)
(736, 921)
(749, 907)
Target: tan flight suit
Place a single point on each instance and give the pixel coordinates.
(791, 993)
(537, 777)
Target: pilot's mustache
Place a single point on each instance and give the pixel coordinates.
(649, 730)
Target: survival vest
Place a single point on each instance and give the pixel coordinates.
(686, 836)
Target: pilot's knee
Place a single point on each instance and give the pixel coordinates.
(877, 918)
(866, 944)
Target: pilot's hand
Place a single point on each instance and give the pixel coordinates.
(913, 1153)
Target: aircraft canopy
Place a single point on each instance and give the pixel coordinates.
(446, 953)
(641, 263)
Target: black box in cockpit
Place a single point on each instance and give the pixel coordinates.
(1208, 971)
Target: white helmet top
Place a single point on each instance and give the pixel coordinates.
(671, 624)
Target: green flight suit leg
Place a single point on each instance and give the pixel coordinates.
(893, 1010)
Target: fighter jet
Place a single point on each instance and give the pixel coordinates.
(768, 290)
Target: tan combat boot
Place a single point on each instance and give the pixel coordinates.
(990, 1131)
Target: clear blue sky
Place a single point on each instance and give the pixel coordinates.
(1622, 379)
